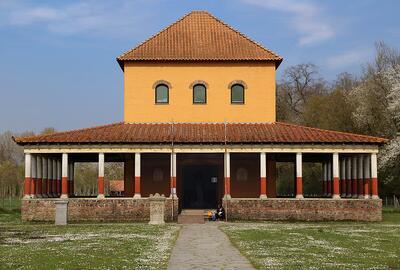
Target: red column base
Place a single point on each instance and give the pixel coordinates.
(39, 186)
(64, 187)
(336, 194)
(354, 189)
(374, 188)
(172, 186)
(299, 188)
(27, 186)
(33, 186)
(263, 187)
(227, 183)
(100, 187)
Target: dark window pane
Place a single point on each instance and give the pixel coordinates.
(237, 93)
(162, 94)
(199, 94)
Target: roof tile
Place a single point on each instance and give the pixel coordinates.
(200, 133)
(199, 36)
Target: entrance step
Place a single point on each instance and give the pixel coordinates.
(191, 216)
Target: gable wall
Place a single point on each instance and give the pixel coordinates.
(139, 100)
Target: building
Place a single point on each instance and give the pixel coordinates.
(200, 127)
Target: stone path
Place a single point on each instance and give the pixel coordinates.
(204, 246)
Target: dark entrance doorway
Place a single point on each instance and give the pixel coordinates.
(200, 186)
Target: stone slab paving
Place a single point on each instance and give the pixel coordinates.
(204, 246)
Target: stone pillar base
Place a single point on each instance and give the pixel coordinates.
(157, 209)
(64, 196)
(336, 197)
(299, 196)
(61, 217)
(101, 196)
(263, 197)
(375, 197)
(137, 196)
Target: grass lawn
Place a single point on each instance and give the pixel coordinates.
(320, 245)
(83, 246)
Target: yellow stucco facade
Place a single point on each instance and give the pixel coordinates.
(139, 92)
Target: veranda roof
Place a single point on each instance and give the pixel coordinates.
(200, 133)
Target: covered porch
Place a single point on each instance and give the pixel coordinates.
(242, 178)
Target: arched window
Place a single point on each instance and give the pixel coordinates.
(162, 94)
(199, 94)
(237, 94)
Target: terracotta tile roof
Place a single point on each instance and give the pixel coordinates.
(199, 133)
(199, 36)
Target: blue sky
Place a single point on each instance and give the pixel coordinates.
(57, 58)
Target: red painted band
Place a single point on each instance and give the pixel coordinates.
(299, 186)
(336, 185)
(374, 186)
(64, 185)
(39, 186)
(33, 186)
(100, 185)
(27, 186)
(137, 184)
(263, 186)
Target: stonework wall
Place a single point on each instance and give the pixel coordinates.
(79, 209)
(306, 209)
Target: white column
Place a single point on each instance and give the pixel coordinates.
(137, 176)
(59, 166)
(335, 193)
(343, 177)
(70, 175)
(100, 181)
(354, 187)
(173, 175)
(39, 177)
(360, 176)
(263, 175)
(374, 176)
(299, 176)
(64, 176)
(329, 178)
(348, 177)
(50, 176)
(227, 175)
(34, 176)
(45, 177)
(367, 175)
(325, 178)
(28, 179)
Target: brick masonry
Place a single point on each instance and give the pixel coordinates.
(304, 209)
(91, 209)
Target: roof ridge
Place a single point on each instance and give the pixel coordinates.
(335, 131)
(273, 56)
(66, 131)
(243, 35)
(155, 35)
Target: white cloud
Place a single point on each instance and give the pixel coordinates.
(100, 17)
(306, 19)
(349, 58)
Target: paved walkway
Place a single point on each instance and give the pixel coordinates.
(204, 246)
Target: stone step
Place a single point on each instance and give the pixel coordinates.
(190, 219)
(192, 216)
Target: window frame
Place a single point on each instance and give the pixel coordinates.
(205, 94)
(155, 94)
(236, 102)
